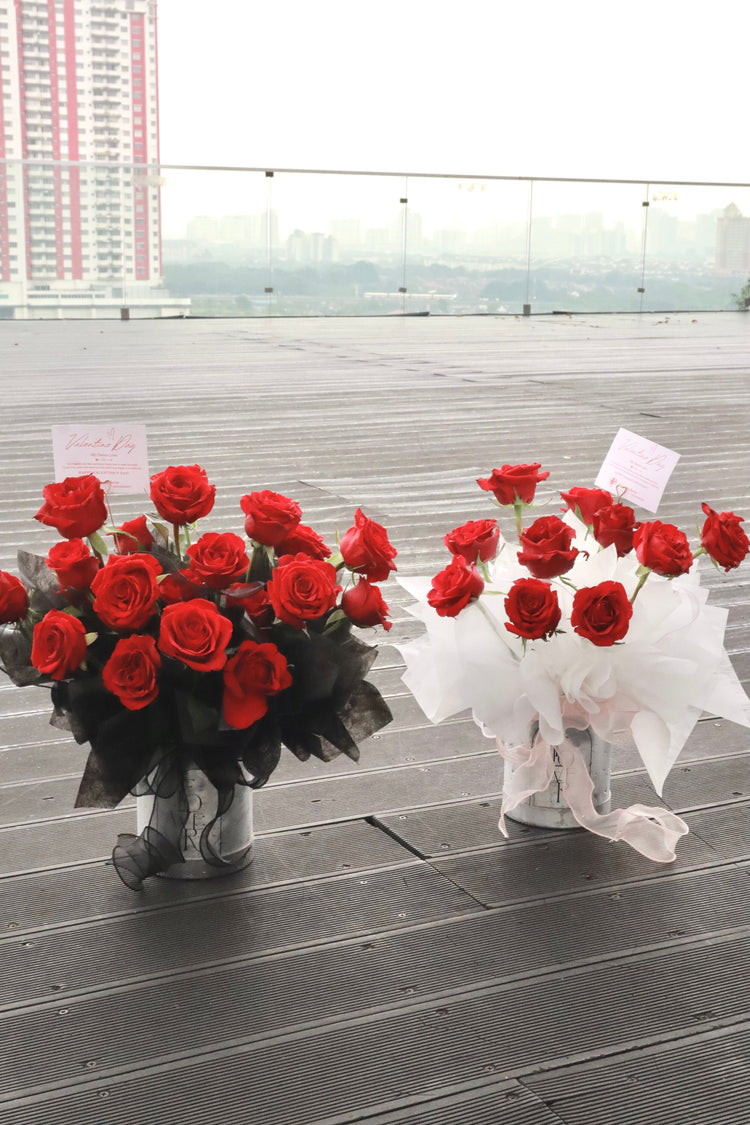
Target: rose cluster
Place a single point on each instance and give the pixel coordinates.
(600, 614)
(215, 606)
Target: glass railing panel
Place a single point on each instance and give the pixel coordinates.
(218, 238)
(697, 247)
(339, 244)
(586, 244)
(466, 245)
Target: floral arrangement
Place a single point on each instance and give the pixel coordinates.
(165, 654)
(597, 621)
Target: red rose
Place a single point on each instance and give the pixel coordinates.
(195, 633)
(251, 675)
(75, 506)
(73, 564)
(546, 549)
(125, 590)
(177, 587)
(182, 494)
(58, 645)
(131, 671)
(474, 540)
(723, 538)
(253, 598)
(366, 550)
(615, 524)
(453, 588)
(269, 516)
(601, 614)
(302, 589)
(132, 537)
(303, 541)
(532, 608)
(217, 560)
(14, 601)
(584, 502)
(513, 481)
(363, 604)
(663, 548)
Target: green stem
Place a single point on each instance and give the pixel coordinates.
(518, 508)
(641, 581)
(176, 533)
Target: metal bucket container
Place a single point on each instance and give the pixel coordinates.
(549, 809)
(231, 837)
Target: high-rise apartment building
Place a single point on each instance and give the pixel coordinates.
(733, 241)
(79, 142)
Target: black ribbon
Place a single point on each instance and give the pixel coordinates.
(327, 711)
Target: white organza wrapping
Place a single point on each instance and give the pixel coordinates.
(652, 687)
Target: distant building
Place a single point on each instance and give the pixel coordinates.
(733, 241)
(79, 234)
(347, 232)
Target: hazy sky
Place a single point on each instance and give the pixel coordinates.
(654, 90)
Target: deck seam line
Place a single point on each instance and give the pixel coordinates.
(179, 1061)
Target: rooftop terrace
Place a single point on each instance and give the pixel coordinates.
(388, 957)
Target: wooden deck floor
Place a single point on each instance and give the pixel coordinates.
(388, 957)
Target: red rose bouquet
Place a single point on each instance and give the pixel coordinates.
(166, 654)
(595, 621)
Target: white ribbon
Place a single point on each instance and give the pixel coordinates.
(648, 829)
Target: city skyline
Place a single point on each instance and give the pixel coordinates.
(574, 234)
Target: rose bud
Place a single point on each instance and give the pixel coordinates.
(177, 587)
(453, 588)
(663, 548)
(73, 564)
(601, 614)
(182, 494)
(125, 590)
(217, 559)
(131, 671)
(615, 524)
(254, 673)
(14, 600)
(513, 482)
(134, 536)
(474, 540)
(58, 645)
(723, 538)
(363, 604)
(75, 506)
(532, 608)
(253, 598)
(302, 589)
(584, 502)
(303, 541)
(546, 549)
(269, 516)
(196, 633)
(366, 550)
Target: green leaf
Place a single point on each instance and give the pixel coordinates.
(335, 620)
(97, 542)
(159, 532)
(90, 638)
